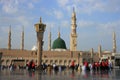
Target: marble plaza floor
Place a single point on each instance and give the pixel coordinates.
(63, 75)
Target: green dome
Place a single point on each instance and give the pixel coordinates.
(59, 44)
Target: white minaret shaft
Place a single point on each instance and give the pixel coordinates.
(49, 41)
(114, 42)
(73, 36)
(73, 25)
(9, 38)
(22, 39)
(99, 51)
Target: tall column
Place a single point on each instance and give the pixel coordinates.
(73, 36)
(40, 28)
(39, 51)
(114, 42)
(9, 39)
(22, 39)
(49, 41)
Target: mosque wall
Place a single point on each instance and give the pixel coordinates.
(49, 57)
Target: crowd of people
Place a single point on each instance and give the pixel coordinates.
(29, 66)
(102, 65)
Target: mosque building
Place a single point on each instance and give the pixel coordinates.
(57, 53)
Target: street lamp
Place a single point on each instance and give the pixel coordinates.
(40, 28)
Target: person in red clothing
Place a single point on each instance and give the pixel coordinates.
(97, 65)
(73, 65)
(86, 65)
(33, 65)
(106, 64)
(103, 65)
(93, 66)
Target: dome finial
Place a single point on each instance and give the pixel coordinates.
(73, 13)
(59, 32)
(40, 20)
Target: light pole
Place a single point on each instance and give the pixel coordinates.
(40, 28)
(78, 58)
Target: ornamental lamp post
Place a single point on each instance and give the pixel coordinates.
(40, 28)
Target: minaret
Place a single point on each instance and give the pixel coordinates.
(49, 41)
(92, 52)
(99, 51)
(22, 39)
(73, 36)
(92, 55)
(40, 29)
(9, 39)
(114, 42)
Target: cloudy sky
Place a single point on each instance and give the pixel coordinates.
(96, 20)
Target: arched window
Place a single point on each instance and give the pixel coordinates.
(51, 61)
(56, 61)
(60, 62)
(2, 61)
(69, 62)
(7, 62)
(65, 62)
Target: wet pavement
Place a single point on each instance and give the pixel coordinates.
(63, 75)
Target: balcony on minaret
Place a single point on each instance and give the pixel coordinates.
(40, 27)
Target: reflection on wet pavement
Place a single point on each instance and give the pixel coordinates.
(63, 75)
